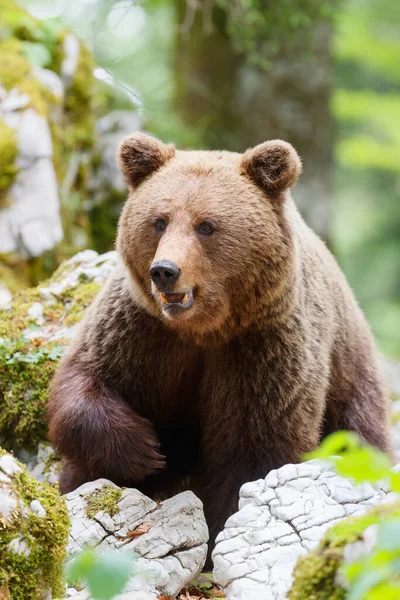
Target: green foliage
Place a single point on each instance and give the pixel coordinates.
(106, 574)
(15, 351)
(261, 28)
(366, 104)
(377, 145)
(38, 42)
(375, 575)
(37, 54)
(354, 459)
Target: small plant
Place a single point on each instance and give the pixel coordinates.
(375, 576)
(16, 352)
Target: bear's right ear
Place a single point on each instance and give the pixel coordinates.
(139, 155)
(274, 166)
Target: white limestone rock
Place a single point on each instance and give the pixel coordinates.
(171, 552)
(280, 519)
(45, 465)
(5, 296)
(31, 224)
(71, 57)
(106, 184)
(85, 266)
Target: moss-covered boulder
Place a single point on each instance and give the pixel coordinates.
(34, 527)
(318, 575)
(47, 129)
(60, 189)
(34, 331)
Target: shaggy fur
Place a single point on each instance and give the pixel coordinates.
(274, 354)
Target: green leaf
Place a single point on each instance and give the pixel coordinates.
(353, 571)
(364, 464)
(335, 445)
(389, 535)
(37, 54)
(55, 353)
(366, 582)
(395, 482)
(80, 566)
(110, 574)
(384, 591)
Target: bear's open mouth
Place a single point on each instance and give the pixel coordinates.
(174, 300)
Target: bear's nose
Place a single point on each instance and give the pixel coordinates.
(164, 272)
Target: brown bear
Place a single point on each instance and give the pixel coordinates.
(226, 344)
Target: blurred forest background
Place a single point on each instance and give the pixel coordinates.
(321, 74)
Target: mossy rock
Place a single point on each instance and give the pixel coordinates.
(34, 331)
(29, 49)
(22, 40)
(34, 527)
(316, 575)
(105, 500)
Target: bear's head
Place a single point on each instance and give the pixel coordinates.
(205, 235)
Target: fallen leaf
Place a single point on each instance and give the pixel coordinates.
(143, 528)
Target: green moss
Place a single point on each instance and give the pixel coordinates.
(81, 299)
(13, 272)
(15, 72)
(106, 500)
(8, 155)
(28, 365)
(79, 103)
(314, 574)
(40, 98)
(17, 23)
(46, 537)
(53, 460)
(14, 67)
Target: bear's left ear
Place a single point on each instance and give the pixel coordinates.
(274, 166)
(139, 155)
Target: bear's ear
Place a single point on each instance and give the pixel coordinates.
(139, 155)
(274, 166)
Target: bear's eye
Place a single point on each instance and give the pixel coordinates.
(160, 225)
(205, 228)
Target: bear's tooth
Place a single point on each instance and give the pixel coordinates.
(185, 297)
(164, 299)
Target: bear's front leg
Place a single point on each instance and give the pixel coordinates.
(237, 452)
(97, 433)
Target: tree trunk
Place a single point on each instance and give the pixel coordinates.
(234, 105)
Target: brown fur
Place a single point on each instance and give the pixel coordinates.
(274, 354)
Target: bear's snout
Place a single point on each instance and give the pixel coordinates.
(164, 273)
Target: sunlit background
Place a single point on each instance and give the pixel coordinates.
(324, 75)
